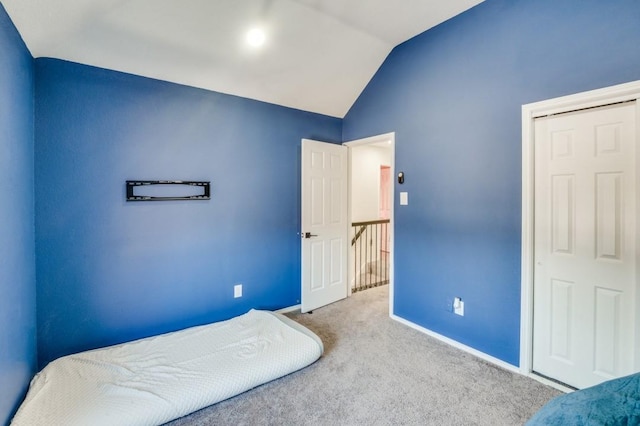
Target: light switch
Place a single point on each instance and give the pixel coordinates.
(404, 198)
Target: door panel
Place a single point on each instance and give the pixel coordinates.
(585, 245)
(607, 328)
(563, 213)
(609, 208)
(324, 219)
(561, 303)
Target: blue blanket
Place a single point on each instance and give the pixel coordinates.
(616, 402)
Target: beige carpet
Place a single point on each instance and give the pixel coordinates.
(376, 371)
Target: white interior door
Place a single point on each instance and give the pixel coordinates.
(324, 224)
(585, 245)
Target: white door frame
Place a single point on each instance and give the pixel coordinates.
(391, 139)
(610, 95)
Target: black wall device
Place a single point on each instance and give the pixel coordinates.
(195, 190)
(401, 178)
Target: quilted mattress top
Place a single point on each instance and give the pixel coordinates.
(154, 380)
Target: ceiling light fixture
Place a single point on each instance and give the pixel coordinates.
(256, 37)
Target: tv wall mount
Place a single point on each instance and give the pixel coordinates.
(135, 190)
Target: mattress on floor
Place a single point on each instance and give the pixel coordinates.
(158, 379)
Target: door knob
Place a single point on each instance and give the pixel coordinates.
(309, 235)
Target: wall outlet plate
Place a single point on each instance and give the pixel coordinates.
(237, 290)
(448, 305)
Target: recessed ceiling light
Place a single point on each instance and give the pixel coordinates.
(256, 37)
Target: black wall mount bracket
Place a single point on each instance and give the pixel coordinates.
(135, 190)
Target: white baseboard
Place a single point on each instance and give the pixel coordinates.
(289, 309)
(458, 345)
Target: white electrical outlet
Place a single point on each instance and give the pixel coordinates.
(458, 306)
(237, 290)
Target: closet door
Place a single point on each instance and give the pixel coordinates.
(585, 245)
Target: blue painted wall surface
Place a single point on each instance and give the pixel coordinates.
(17, 264)
(453, 96)
(110, 271)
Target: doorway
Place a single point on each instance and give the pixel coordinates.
(579, 239)
(371, 195)
(327, 205)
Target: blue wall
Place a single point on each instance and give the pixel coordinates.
(110, 271)
(453, 96)
(17, 264)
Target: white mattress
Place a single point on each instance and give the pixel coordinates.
(158, 379)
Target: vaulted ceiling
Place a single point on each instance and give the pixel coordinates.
(318, 55)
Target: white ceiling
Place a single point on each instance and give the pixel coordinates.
(319, 54)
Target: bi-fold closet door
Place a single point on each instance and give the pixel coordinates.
(585, 244)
